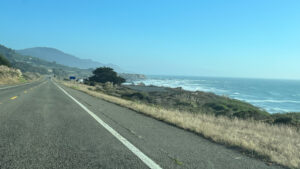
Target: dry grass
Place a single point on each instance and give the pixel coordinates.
(9, 75)
(279, 144)
(15, 76)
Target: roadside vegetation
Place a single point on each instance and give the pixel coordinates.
(271, 137)
(9, 75)
(272, 143)
(195, 102)
(4, 61)
(103, 75)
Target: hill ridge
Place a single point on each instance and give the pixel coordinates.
(55, 55)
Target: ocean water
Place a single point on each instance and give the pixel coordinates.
(275, 96)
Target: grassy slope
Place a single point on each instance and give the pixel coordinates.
(198, 102)
(14, 76)
(276, 143)
(9, 75)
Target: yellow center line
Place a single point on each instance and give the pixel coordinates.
(13, 98)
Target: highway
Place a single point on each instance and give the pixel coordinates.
(47, 125)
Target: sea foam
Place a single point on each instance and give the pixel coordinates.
(272, 95)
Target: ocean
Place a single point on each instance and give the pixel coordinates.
(275, 96)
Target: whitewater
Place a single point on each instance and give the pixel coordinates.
(274, 96)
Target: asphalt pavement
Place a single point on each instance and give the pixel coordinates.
(47, 125)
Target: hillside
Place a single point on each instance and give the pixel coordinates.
(46, 61)
(9, 75)
(33, 64)
(4, 61)
(55, 55)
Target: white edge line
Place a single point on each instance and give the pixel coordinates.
(150, 163)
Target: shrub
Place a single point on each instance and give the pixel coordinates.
(4, 61)
(135, 96)
(106, 74)
(283, 120)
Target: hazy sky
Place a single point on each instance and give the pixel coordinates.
(203, 38)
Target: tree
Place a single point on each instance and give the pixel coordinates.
(106, 74)
(4, 61)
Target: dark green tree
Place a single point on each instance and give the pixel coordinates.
(4, 61)
(106, 74)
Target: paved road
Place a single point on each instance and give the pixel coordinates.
(43, 127)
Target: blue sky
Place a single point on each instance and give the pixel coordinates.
(199, 38)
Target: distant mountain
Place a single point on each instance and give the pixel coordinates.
(28, 63)
(55, 55)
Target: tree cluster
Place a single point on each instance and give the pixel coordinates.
(4, 61)
(106, 74)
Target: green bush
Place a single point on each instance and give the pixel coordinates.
(4, 61)
(135, 96)
(286, 118)
(106, 74)
(283, 120)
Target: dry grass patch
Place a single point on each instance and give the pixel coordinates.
(9, 75)
(15, 76)
(279, 144)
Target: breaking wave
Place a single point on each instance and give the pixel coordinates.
(272, 95)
